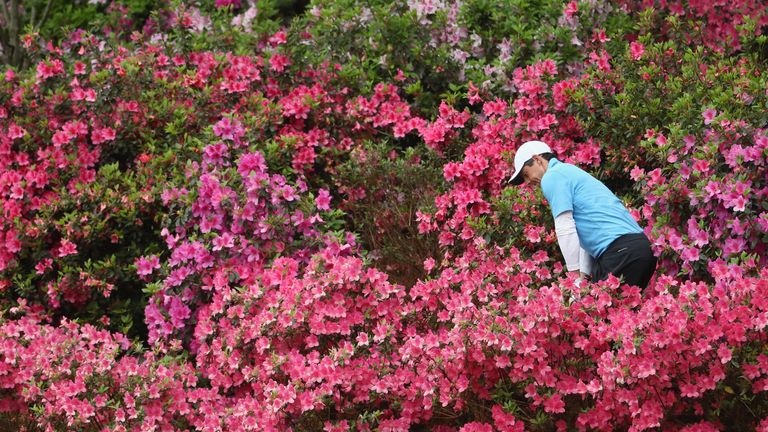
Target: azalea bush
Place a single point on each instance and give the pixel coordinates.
(438, 47)
(236, 221)
(699, 163)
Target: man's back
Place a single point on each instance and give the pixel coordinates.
(599, 215)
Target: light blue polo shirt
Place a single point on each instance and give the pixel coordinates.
(599, 215)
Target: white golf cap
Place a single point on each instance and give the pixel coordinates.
(523, 155)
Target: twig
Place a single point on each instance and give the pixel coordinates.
(4, 11)
(45, 14)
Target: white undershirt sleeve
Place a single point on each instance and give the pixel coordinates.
(568, 239)
(585, 261)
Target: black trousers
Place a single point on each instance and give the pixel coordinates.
(630, 258)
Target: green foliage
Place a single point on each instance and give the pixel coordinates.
(373, 40)
(481, 41)
(666, 92)
(397, 185)
(112, 223)
(650, 112)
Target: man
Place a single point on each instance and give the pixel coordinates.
(590, 221)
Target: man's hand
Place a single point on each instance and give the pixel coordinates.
(579, 276)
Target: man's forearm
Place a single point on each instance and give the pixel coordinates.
(568, 239)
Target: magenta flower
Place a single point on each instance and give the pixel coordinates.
(15, 131)
(178, 311)
(228, 129)
(43, 265)
(279, 62)
(323, 200)
(571, 9)
(429, 264)
(554, 404)
(690, 254)
(48, 69)
(636, 50)
(709, 115)
(66, 248)
(724, 353)
(102, 135)
(146, 265)
(278, 38)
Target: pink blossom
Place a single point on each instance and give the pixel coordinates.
(739, 203)
(476, 427)
(66, 248)
(50, 68)
(279, 62)
(637, 173)
(215, 153)
(724, 353)
(228, 129)
(473, 94)
(571, 9)
(146, 265)
(323, 200)
(505, 422)
(15, 131)
(690, 254)
(362, 339)
(554, 404)
(636, 50)
(278, 38)
(429, 264)
(102, 135)
(709, 115)
(44, 265)
(178, 311)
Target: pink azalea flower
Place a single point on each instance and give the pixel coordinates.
(278, 38)
(66, 248)
(724, 353)
(102, 135)
(146, 265)
(228, 129)
(323, 200)
(48, 69)
(571, 9)
(44, 265)
(15, 131)
(429, 264)
(554, 404)
(476, 427)
(179, 312)
(739, 203)
(709, 115)
(279, 62)
(690, 254)
(362, 339)
(636, 50)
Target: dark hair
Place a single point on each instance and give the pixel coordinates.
(547, 157)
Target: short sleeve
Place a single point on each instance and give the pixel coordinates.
(558, 191)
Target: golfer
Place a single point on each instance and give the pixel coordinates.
(590, 221)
